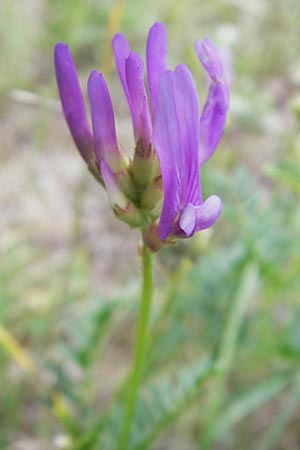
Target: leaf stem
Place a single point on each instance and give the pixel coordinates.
(140, 348)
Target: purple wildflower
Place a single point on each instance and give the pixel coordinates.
(183, 138)
(169, 126)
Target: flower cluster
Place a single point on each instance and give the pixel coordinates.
(173, 138)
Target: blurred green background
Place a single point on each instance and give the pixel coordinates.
(69, 272)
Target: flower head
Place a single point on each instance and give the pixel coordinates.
(173, 137)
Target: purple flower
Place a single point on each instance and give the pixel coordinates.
(183, 137)
(168, 124)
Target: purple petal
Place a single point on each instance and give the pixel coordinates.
(166, 139)
(213, 116)
(142, 125)
(72, 100)
(188, 114)
(131, 73)
(187, 221)
(210, 59)
(196, 218)
(121, 51)
(105, 139)
(156, 59)
(226, 57)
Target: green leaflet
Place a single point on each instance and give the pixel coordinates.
(159, 404)
(248, 403)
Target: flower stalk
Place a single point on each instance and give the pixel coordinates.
(140, 347)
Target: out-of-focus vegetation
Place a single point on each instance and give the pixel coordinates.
(69, 277)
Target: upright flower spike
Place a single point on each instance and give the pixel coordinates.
(173, 139)
(72, 101)
(213, 116)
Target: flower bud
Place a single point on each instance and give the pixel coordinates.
(145, 165)
(152, 195)
(122, 207)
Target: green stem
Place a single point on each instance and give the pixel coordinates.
(140, 349)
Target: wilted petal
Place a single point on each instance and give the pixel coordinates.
(188, 113)
(134, 69)
(196, 218)
(213, 116)
(105, 139)
(212, 122)
(156, 59)
(226, 57)
(166, 139)
(210, 59)
(72, 100)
